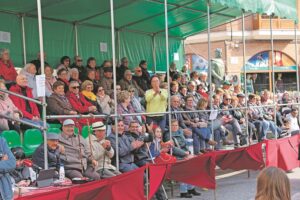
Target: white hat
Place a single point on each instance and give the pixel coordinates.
(98, 126)
(68, 122)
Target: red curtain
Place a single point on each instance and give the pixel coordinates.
(243, 158)
(59, 194)
(283, 153)
(156, 177)
(198, 171)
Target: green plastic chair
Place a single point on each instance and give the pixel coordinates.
(55, 126)
(76, 130)
(85, 131)
(54, 130)
(33, 138)
(12, 138)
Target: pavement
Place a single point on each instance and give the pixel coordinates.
(235, 185)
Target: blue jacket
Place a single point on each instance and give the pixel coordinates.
(5, 167)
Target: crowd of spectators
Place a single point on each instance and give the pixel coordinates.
(209, 117)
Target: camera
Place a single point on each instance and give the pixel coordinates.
(146, 137)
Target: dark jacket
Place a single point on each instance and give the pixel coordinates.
(58, 105)
(141, 82)
(82, 71)
(140, 153)
(53, 157)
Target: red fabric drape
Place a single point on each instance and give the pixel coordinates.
(198, 171)
(156, 177)
(283, 153)
(243, 158)
(51, 194)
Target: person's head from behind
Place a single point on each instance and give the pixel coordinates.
(59, 88)
(174, 125)
(273, 184)
(68, 127)
(19, 155)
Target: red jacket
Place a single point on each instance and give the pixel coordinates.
(9, 72)
(21, 104)
(80, 104)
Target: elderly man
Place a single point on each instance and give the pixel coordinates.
(107, 81)
(203, 80)
(54, 151)
(102, 151)
(192, 90)
(79, 161)
(140, 80)
(126, 147)
(128, 81)
(28, 108)
(78, 64)
(7, 68)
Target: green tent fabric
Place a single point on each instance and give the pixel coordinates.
(136, 23)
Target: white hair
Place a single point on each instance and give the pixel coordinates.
(2, 51)
(73, 70)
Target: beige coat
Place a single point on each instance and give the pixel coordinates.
(99, 153)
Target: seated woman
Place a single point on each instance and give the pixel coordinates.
(28, 108)
(104, 101)
(22, 175)
(74, 75)
(8, 71)
(124, 107)
(50, 80)
(78, 102)
(8, 108)
(87, 88)
(62, 75)
(136, 105)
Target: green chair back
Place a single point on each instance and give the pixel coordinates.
(12, 138)
(54, 130)
(33, 138)
(85, 131)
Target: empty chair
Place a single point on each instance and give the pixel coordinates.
(32, 139)
(85, 131)
(12, 138)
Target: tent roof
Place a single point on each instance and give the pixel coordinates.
(186, 17)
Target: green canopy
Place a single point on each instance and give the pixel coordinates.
(136, 21)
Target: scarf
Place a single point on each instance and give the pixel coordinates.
(89, 95)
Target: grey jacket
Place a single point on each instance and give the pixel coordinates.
(125, 149)
(6, 166)
(77, 156)
(58, 105)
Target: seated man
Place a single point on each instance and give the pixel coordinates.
(141, 153)
(77, 157)
(292, 118)
(126, 147)
(180, 150)
(7, 164)
(28, 108)
(102, 151)
(53, 152)
(22, 175)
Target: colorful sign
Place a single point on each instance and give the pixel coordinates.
(199, 64)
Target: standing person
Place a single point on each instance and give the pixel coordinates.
(78, 64)
(273, 184)
(123, 67)
(7, 68)
(145, 74)
(77, 157)
(7, 164)
(102, 151)
(157, 101)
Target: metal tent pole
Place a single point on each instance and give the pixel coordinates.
(76, 39)
(245, 80)
(168, 64)
(23, 40)
(119, 45)
(112, 20)
(297, 61)
(273, 72)
(39, 9)
(153, 53)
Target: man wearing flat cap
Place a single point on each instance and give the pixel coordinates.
(78, 159)
(107, 81)
(54, 152)
(102, 151)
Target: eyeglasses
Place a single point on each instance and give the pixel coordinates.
(76, 87)
(228, 99)
(79, 60)
(138, 70)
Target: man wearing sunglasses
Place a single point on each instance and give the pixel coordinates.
(78, 64)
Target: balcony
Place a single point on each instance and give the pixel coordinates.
(262, 22)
